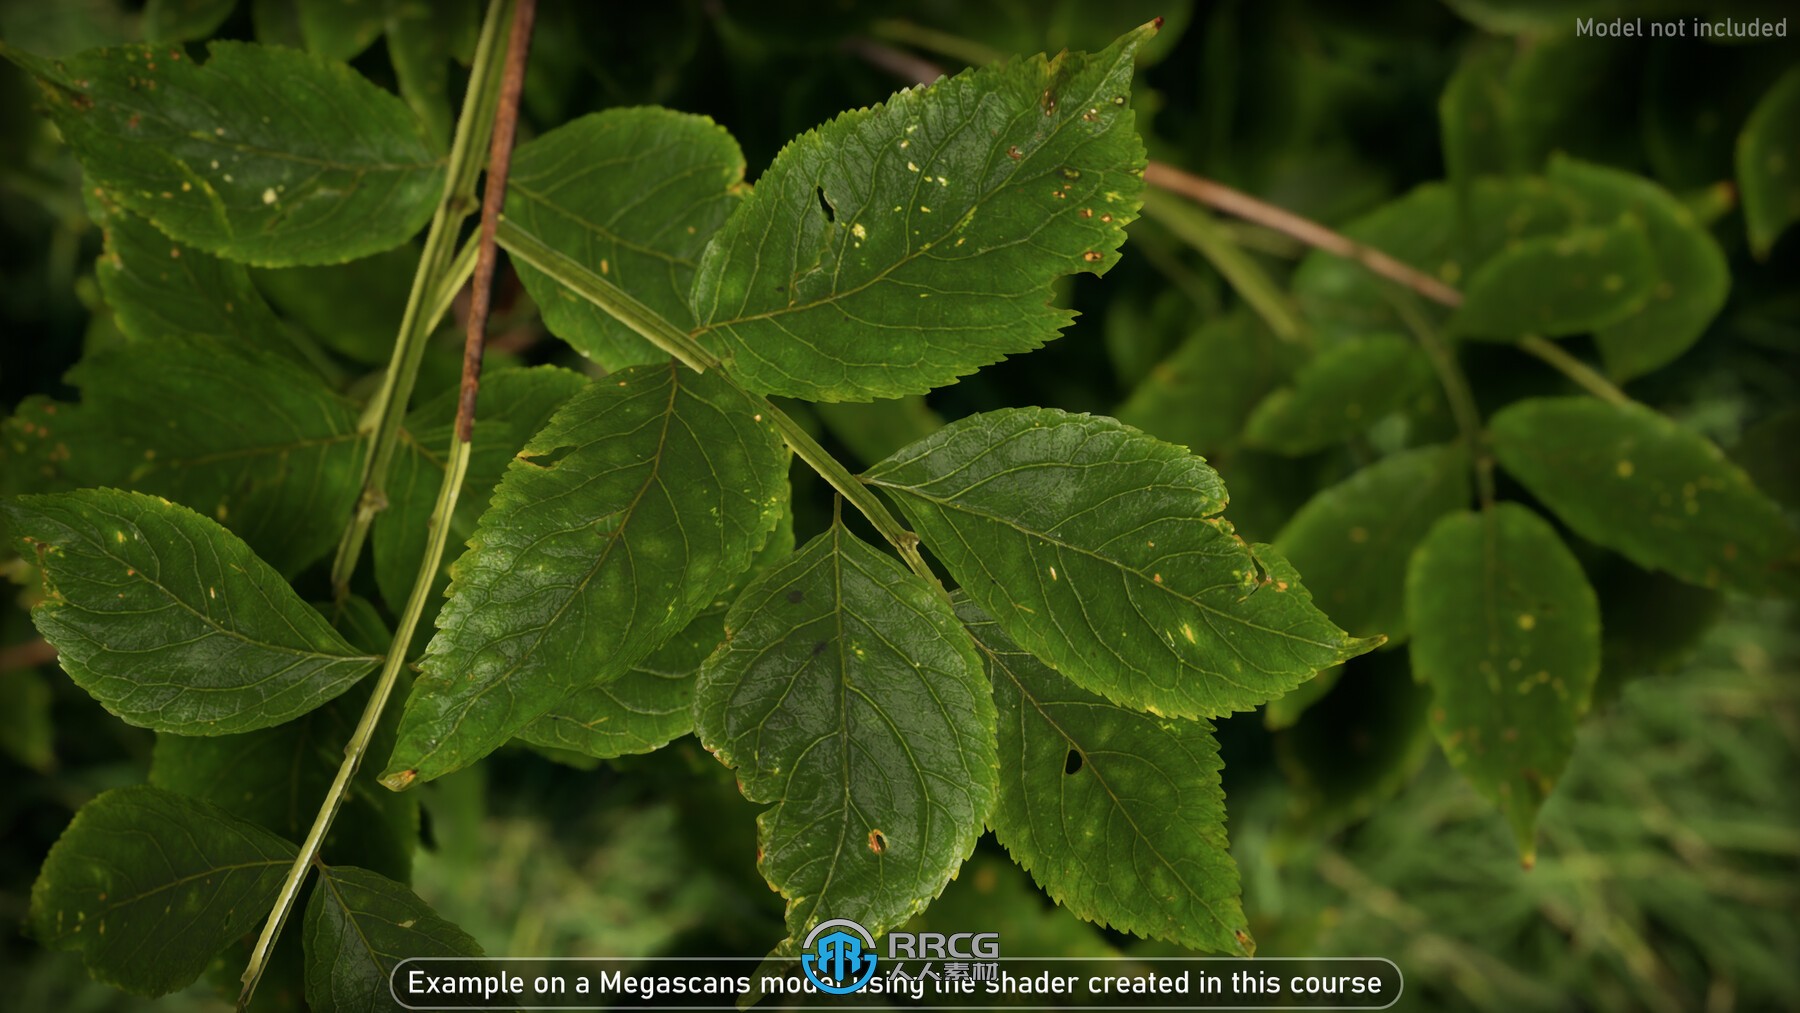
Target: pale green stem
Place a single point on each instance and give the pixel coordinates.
(1584, 375)
(1457, 391)
(651, 325)
(1201, 231)
(456, 466)
(434, 285)
(943, 43)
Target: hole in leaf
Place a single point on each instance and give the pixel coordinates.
(546, 459)
(825, 205)
(877, 841)
(1072, 763)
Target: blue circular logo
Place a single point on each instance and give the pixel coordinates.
(839, 956)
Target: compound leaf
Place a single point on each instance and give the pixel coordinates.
(899, 247)
(1583, 280)
(1692, 278)
(359, 924)
(1352, 540)
(1506, 632)
(1100, 550)
(263, 154)
(632, 195)
(171, 622)
(237, 433)
(149, 885)
(1634, 480)
(645, 496)
(847, 695)
(1117, 814)
(1768, 152)
(1348, 388)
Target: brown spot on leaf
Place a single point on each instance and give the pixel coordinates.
(877, 842)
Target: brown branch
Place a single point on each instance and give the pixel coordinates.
(506, 126)
(1234, 202)
(29, 654)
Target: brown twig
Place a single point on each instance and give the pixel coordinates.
(500, 147)
(29, 654)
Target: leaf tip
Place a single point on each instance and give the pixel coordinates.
(399, 780)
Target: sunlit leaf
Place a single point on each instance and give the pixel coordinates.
(1101, 550)
(899, 247)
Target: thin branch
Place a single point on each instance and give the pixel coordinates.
(1457, 391)
(1583, 374)
(1234, 202)
(29, 654)
(1206, 234)
(455, 469)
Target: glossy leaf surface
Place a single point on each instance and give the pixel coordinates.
(848, 697)
(645, 496)
(897, 248)
(171, 622)
(632, 195)
(1117, 814)
(1101, 550)
(261, 154)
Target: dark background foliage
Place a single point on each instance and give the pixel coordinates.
(1668, 874)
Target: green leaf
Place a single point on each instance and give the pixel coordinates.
(899, 247)
(644, 497)
(512, 405)
(171, 622)
(1352, 540)
(1634, 480)
(420, 37)
(340, 29)
(149, 885)
(244, 436)
(1117, 814)
(158, 289)
(632, 195)
(276, 777)
(1348, 388)
(1768, 164)
(848, 696)
(359, 924)
(1100, 550)
(353, 309)
(1427, 228)
(1582, 280)
(179, 20)
(643, 710)
(1506, 632)
(1201, 394)
(263, 155)
(1691, 281)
